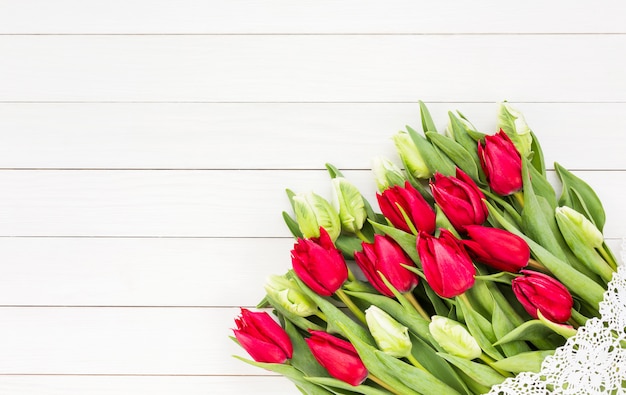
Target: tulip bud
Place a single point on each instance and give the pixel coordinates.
(539, 292)
(351, 205)
(454, 338)
(386, 173)
(262, 337)
(501, 163)
(411, 156)
(391, 337)
(577, 223)
(513, 122)
(396, 200)
(312, 212)
(338, 357)
(286, 292)
(460, 199)
(386, 257)
(497, 248)
(448, 269)
(319, 264)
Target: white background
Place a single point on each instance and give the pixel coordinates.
(145, 147)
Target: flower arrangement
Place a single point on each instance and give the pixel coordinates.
(472, 272)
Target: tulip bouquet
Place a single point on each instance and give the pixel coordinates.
(471, 271)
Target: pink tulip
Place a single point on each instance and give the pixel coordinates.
(501, 163)
(539, 292)
(414, 205)
(497, 248)
(460, 199)
(448, 269)
(386, 257)
(262, 337)
(319, 264)
(338, 357)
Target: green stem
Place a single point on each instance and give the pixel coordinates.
(351, 276)
(383, 384)
(415, 362)
(486, 359)
(408, 221)
(321, 315)
(350, 305)
(411, 298)
(519, 196)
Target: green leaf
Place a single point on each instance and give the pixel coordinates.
(348, 245)
(503, 325)
(537, 160)
(442, 221)
(302, 358)
(478, 372)
(456, 153)
(480, 328)
(290, 372)
(525, 362)
(530, 330)
(434, 161)
(542, 186)
(461, 136)
(427, 121)
(333, 171)
(588, 195)
(334, 383)
(293, 226)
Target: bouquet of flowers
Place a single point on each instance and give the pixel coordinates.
(472, 270)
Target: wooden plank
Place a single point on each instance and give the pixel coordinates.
(283, 16)
(143, 272)
(139, 272)
(145, 385)
(137, 341)
(236, 203)
(275, 135)
(298, 68)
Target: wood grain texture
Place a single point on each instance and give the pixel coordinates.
(192, 203)
(283, 16)
(276, 135)
(313, 68)
(144, 385)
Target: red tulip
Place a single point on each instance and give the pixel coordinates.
(501, 163)
(262, 337)
(319, 264)
(337, 356)
(448, 269)
(386, 257)
(539, 292)
(460, 200)
(497, 248)
(414, 205)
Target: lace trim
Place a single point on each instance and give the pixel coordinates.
(592, 361)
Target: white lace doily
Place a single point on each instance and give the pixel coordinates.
(590, 362)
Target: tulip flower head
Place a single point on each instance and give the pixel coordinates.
(579, 225)
(497, 248)
(391, 337)
(502, 163)
(397, 199)
(386, 173)
(411, 157)
(338, 357)
(386, 257)
(314, 212)
(454, 338)
(319, 264)
(537, 291)
(286, 292)
(262, 337)
(447, 267)
(460, 199)
(350, 203)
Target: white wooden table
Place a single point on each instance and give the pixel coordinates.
(145, 147)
